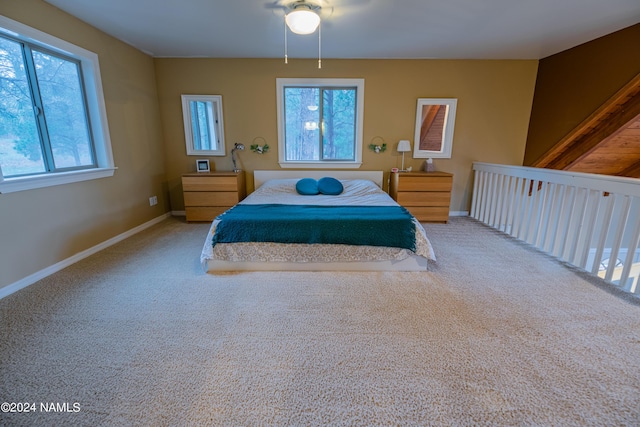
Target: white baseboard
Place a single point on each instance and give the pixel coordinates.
(31, 279)
(178, 213)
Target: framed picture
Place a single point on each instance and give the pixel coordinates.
(202, 165)
(435, 119)
(203, 125)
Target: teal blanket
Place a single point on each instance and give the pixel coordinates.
(350, 225)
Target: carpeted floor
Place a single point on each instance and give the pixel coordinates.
(496, 334)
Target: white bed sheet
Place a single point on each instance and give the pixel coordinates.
(357, 192)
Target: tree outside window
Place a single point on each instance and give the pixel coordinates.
(44, 125)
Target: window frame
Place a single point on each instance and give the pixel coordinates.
(282, 83)
(96, 110)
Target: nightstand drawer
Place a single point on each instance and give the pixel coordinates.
(415, 198)
(210, 198)
(208, 183)
(430, 213)
(419, 183)
(204, 213)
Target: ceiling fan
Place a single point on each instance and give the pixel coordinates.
(325, 9)
(304, 17)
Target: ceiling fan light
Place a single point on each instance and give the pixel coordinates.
(302, 21)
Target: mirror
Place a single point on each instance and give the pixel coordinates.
(435, 119)
(203, 125)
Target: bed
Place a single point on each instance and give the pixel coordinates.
(354, 228)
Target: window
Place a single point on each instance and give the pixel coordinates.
(320, 122)
(53, 126)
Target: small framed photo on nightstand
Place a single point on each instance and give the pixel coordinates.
(202, 165)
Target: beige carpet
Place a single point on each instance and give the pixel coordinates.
(496, 334)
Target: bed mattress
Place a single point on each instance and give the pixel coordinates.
(357, 192)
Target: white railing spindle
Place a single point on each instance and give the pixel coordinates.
(474, 197)
(615, 247)
(604, 232)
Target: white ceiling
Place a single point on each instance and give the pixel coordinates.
(442, 29)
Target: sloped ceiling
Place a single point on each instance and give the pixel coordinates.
(607, 142)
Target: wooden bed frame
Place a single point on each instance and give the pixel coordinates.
(413, 263)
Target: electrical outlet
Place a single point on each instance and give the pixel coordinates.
(153, 200)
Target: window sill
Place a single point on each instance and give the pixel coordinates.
(320, 165)
(11, 185)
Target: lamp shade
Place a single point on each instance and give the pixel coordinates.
(302, 21)
(404, 145)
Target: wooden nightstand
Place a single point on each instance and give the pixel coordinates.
(427, 195)
(207, 195)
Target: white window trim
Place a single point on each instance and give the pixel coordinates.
(95, 105)
(359, 83)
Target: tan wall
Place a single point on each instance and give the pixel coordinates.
(573, 84)
(39, 228)
(494, 103)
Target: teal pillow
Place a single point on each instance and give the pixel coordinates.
(330, 186)
(307, 187)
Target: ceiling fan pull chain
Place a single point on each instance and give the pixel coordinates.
(286, 59)
(320, 45)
